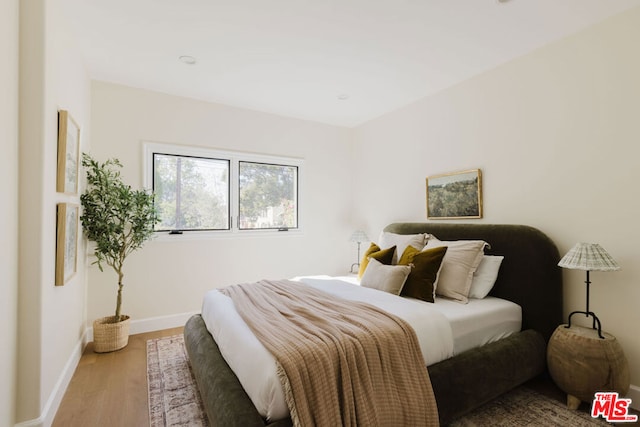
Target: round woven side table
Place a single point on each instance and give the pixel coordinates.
(581, 363)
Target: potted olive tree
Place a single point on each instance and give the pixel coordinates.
(118, 220)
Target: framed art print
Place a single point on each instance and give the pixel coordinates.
(456, 195)
(66, 243)
(68, 154)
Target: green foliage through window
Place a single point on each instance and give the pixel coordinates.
(192, 193)
(268, 196)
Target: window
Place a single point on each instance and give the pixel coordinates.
(205, 190)
(268, 196)
(191, 193)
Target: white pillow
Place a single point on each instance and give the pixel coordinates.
(458, 265)
(401, 241)
(388, 278)
(485, 276)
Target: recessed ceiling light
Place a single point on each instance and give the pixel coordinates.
(502, 1)
(343, 96)
(186, 59)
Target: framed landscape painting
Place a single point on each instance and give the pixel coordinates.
(66, 243)
(456, 195)
(68, 154)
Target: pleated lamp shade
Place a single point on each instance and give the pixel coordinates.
(359, 236)
(590, 257)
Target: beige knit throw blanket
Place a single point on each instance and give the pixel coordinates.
(342, 363)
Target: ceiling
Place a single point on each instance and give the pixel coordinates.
(297, 58)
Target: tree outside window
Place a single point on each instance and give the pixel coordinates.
(192, 193)
(268, 196)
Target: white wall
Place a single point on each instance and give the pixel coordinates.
(556, 135)
(169, 277)
(9, 207)
(51, 319)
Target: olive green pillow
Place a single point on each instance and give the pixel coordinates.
(426, 264)
(385, 256)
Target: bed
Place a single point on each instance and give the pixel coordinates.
(529, 277)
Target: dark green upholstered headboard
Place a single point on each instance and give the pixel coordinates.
(529, 275)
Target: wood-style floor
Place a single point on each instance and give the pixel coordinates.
(110, 389)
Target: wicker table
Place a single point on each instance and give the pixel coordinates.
(581, 363)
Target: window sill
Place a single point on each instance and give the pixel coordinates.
(225, 234)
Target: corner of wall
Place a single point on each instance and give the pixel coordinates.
(634, 395)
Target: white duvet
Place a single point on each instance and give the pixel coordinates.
(255, 367)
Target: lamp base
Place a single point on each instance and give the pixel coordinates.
(596, 321)
(357, 267)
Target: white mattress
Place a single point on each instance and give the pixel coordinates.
(443, 330)
(481, 321)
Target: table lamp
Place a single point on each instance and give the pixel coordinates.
(589, 257)
(358, 236)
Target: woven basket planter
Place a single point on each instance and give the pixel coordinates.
(109, 336)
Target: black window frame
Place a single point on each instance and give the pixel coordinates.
(233, 159)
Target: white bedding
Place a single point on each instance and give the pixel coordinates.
(480, 321)
(443, 329)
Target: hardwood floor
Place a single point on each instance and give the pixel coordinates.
(110, 389)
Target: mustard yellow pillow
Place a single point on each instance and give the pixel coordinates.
(421, 280)
(385, 256)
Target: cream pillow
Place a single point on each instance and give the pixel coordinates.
(401, 241)
(459, 264)
(388, 278)
(485, 276)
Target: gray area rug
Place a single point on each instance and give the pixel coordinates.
(524, 407)
(174, 399)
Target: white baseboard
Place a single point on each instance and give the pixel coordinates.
(137, 327)
(159, 323)
(36, 422)
(634, 395)
(55, 398)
